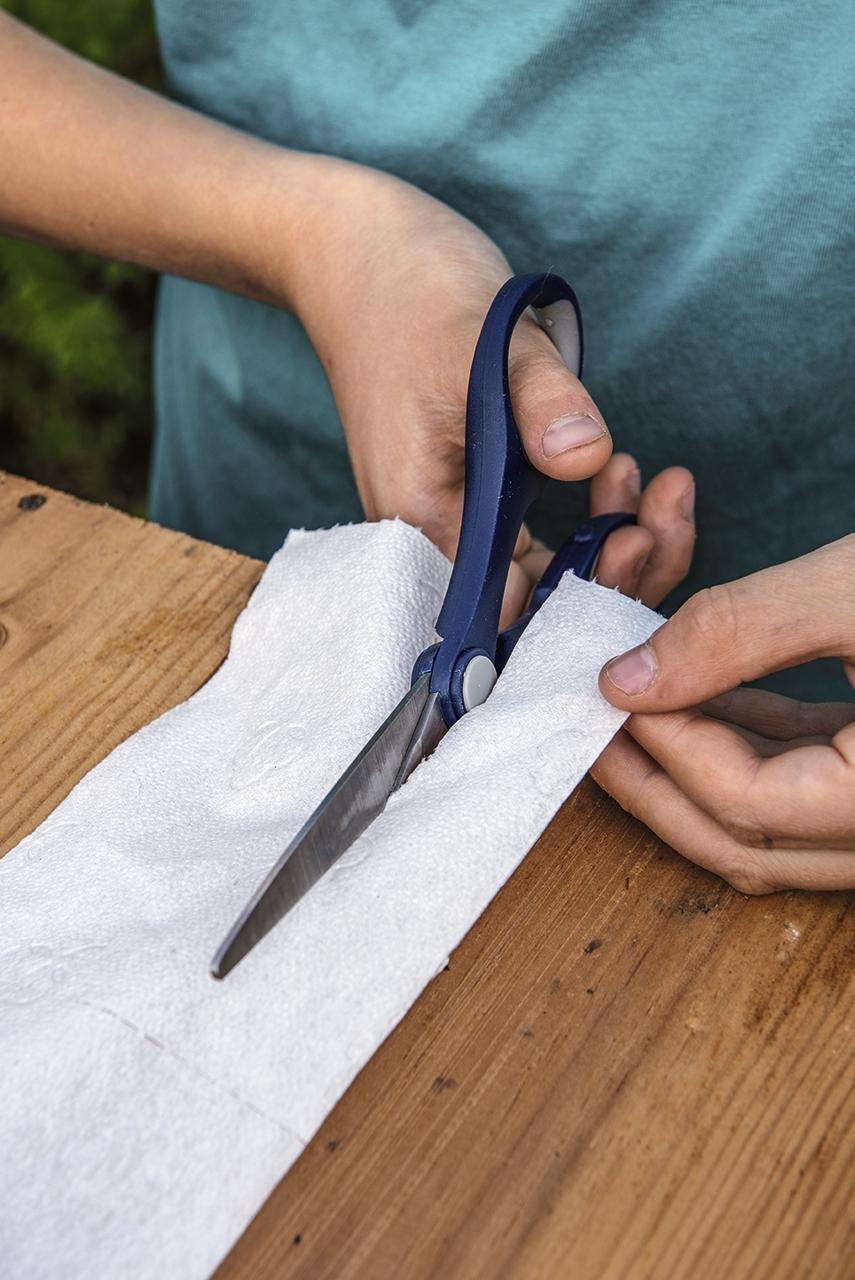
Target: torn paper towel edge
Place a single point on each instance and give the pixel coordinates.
(165, 1106)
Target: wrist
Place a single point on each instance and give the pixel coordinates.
(307, 226)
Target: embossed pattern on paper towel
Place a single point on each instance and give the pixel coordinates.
(135, 1086)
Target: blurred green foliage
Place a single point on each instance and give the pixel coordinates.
(75, 331)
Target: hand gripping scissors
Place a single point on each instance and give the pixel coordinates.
(457, 673)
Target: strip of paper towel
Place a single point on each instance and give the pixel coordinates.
(147, 1111)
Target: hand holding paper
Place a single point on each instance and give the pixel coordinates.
(759, 788)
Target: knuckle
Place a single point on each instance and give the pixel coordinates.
(541, 386)
(743, 810)
(745, 872)
(743, 829)
(713, 616)
(533, 371)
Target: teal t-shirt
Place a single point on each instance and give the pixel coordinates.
(689, 168)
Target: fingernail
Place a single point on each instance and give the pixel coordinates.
(687, 504)
(633, 672)
(633, 483)
(641, 565)
(570, 433)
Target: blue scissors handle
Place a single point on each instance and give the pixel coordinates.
(500, 486)
(579, 555)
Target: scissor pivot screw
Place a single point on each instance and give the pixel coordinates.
(478, 680)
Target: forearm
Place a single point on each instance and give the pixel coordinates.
(92, 162)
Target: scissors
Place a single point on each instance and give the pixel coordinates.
(457, 673)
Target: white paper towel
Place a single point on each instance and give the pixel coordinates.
(146, 1110)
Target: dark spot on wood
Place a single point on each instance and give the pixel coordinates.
(555, 986)
(32, 502)
(592, 946)
(443, 1082)
(697, 904)
(626, 883)
(589, 991)
(4, 635)
(446, 967)
(694, 904)
(191, 550)
(297, 1238)
(527, 1032)
(333, 1144)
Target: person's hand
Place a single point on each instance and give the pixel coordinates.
(393, 300)
(650, 558)
(753, 786)
(391, 285)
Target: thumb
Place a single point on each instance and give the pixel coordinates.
(562, 430)
(726, 635)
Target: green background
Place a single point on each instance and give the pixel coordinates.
(75, 331)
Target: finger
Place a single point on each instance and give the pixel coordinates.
(523, 543)
(647, 567)
(530, 560)
(774, 746)
(623, 558)
(517, 592)
(644, 789)
(802, 796)
(775, 716)
(562, 430)
(816, 869)
(733, 633)
(617, 487)
(536, 561)
(667, 509)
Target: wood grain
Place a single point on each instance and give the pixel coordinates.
(106, 622)
(627, 1070)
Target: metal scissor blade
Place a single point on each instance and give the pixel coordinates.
(352, 805)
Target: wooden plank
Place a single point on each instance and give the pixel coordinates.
(105, 622)
(628, 1069)
(675, 1100)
